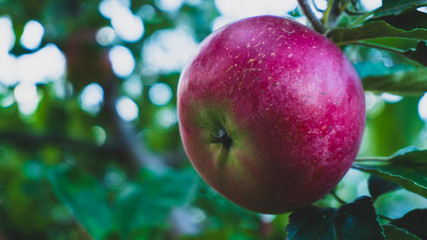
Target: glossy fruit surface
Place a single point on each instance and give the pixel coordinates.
(271, 113)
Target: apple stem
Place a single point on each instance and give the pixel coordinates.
(315, 22)
(223, 138)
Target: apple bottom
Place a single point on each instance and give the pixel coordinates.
(268, 173)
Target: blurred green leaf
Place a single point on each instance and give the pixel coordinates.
(394, 233)
(86, 197)
(414, 221)
(377, 29)
(402, 83)
(395, 7)
(369, 68)
(408, 169)
(146, 204)
(224, 233)
(378, 186)
(311, 223)
(358, 220)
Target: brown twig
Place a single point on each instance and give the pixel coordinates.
(315, 22)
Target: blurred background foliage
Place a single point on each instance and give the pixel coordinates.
(89, 141)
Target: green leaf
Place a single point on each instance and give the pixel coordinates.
(311, 223)
(407, 169)
(358, 220)
(378, 186)
(376, 29)
(87, 198)
(419, 54)
(414, 221)
(416, 53)
(145, 205)
(352, 221)
(406, 21)
(395, 7)
(402, 83)
(394, 233)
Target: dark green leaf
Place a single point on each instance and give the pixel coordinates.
(378, 186)
(406, 21)
(419, 54)
(394, 233)
(395, 7)
(402, 83)
(86, 197)
(376, 29)
(414, 221)
(311, 223)
(358, 220)
(146, 204)
(407, 169)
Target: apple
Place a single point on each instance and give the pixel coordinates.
(271, 113)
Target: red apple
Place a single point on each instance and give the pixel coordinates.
(271, 113)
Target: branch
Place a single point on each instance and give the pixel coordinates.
(371, 159)
(126, 135)
(315, 22)
(340, 200)
(34, 141)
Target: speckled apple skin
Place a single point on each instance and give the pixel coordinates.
(288, 98)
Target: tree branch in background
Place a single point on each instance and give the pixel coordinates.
(126, 136)
(315, 22)
(31, 141)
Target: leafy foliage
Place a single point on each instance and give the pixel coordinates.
(404, 168)
(394, 233)
(402, 83)
(378, 186)
(390, 7)
(356, 220)
(68, 173)
(376, 29)
(414, 221)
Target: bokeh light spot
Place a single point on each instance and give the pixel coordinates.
(127, 26)
(391, 98)
(237, 9)
(108, 7)
(167, 50)
(127, 109)
(166, 117)
(32, 35)
(169, 5)
(160, 94)
(99, 135)
(105, 36)
(114, 178)
(27, 98)
(122, 61)
(422, 107)
(7, 39)
(133, 86)
(91, 98)
(370, 5)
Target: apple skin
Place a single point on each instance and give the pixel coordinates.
(271, 113)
